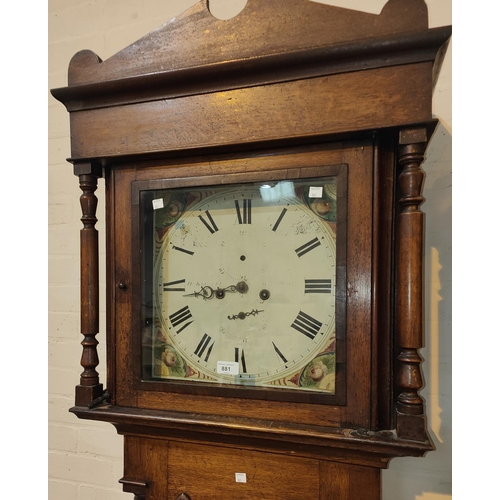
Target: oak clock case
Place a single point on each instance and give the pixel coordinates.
(239, 283)
(264, 240)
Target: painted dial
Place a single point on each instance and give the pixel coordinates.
(244, 287)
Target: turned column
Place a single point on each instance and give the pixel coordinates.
(409, 295)
(89, 388)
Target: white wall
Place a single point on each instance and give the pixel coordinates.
(85, 458)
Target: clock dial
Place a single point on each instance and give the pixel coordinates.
(244, 285)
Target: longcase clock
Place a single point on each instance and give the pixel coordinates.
(263, 247)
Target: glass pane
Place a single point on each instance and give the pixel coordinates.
(238, 284)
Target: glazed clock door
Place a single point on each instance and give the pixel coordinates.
(243, 281)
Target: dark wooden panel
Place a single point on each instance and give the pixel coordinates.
(208, 473)
(382, 97)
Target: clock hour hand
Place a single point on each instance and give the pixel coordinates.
(206, 292)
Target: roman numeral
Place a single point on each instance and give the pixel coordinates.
(318, 286)
(246, 216)
(202, 346)
(210, 225)
(180, 317)
(307, 247)
(280, 218)
(241, 358)
(280, 354)
(175, 289)
(183, 250)
(306, 325)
